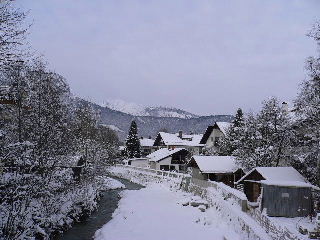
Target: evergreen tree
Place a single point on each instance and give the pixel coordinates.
(132, 142)
(234, 135)
(246, 153)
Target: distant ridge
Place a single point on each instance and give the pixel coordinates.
(151, 125)
(140, 110)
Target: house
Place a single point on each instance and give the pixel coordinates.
(191, 142)
(6, 96)
(146, 146)
(213, 134)
(168, 159)
(137, 162)
(216, 168)
(281, 191)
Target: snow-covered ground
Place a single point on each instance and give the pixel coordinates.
(111, 183)
(156, 212)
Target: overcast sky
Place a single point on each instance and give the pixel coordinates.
(204, 56)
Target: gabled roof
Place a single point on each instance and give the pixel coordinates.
(163, 153)
(216, 164)
(171, 139)
(222, 126)
(280, 176)
(146, 142)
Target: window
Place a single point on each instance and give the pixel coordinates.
(172, 168)
(164, 167)
(178, 159)
(182, 168)
(212, 139)
(216, 141)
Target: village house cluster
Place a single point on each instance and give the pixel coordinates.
(279, 191)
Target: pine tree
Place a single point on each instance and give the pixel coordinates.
(234, 134)
(246, 153)
(132, 142)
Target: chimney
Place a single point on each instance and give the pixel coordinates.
(180, 134)
(285, 107)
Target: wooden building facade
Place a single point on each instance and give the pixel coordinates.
(281, 191)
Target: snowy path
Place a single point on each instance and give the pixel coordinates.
(154, 213)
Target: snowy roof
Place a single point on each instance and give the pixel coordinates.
(146, 142)
(175, 140)
(137, 159)
(216, 164)
(289, 184)
(223, 126)
(163, 153)
(280, 176)
(171, 139)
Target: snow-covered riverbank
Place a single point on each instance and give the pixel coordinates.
(107, 204)
(155, 213)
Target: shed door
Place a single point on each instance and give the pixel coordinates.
(256, 191)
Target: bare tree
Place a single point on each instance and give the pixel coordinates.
(12, 32)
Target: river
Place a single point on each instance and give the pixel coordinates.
(107, 205)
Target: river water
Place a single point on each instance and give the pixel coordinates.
(107, 205)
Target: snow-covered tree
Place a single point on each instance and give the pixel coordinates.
(132, 142)
(42, 134)
(275, 129)
(12, 32)
(234, 135)
(307, 106)
(266, 137)
(246, 152)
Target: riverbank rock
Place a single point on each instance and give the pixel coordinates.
(197, 201)
(202, 208)
(184, 202)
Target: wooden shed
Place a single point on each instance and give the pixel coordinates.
(281, 191)
(216, 168)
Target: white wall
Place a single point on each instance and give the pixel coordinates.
(210, 142)
(140, 163)
(165, 161)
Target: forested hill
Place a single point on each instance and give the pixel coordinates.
(150, 125)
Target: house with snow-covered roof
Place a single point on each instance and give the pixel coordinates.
(137, 162)
(191, 142)
(213, 134)
(168, 159)
(146, 146)
(216, 168)
(281, 191)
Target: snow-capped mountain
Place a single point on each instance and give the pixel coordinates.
(140, 110)
(151, 125)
